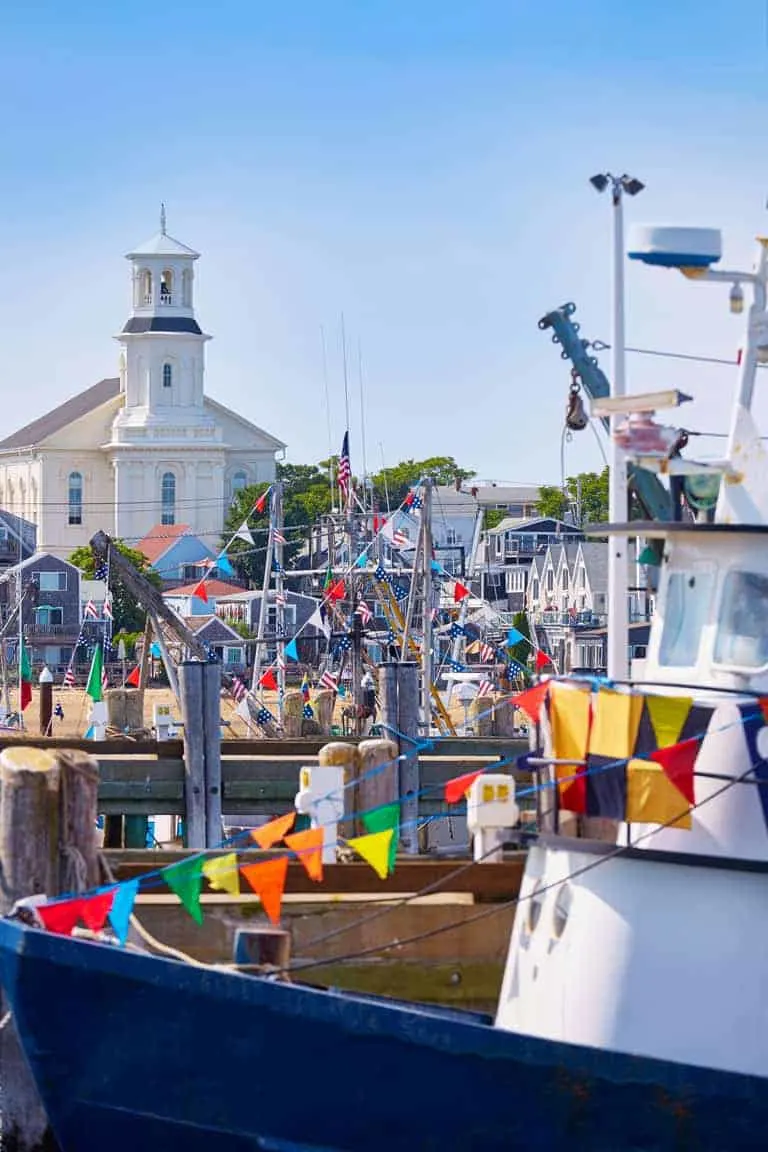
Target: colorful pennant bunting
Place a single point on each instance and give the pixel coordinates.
(376, 850)
(542, 660)
(61, 916)
(460, 592)
(457, 788)
(292, 651)
(531, 700)
(122, 909)
(268, 680)
(382, 819)
(200, 591)
(185, 879)
(267, 879)
(569, 711)
(244, 533)
(652, 798)
(96, 909)
(678, 762)
(668, 714)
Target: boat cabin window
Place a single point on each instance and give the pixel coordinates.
(686, 611)
(742, 627)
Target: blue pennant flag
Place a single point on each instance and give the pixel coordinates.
(122, 907)
(307, 712)
(362, 560)
(456, 666)
(400, 593)
(457, 630)
(435, 566)
(514, 637)
(380, 573)
(224, 565)
(291, 650)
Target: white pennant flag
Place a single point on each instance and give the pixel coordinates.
(244, 533)
(317, 620)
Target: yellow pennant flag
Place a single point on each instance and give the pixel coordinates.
(222, 872)
(668, 715)
(374, 849)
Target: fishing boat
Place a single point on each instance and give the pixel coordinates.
(633, 1013)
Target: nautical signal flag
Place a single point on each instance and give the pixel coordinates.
(531, 700)
(134, 677)
(460, 592)
(542, 660)
(200, 591)
(268, 680)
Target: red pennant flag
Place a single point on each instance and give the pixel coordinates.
(268, 882)
(200, 591)
(260, 503)
(268, 680)
(409, 500)
(62, 916)
(376, 523)
(542, 660)
(134, 677)
(96, 909)
(459, 592)
(308, 846)
(457, 788)
(531, 700)
(337, 591)
(678, 762)
(26, 694)
(763, 705)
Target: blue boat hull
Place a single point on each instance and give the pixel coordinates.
(130, 1052)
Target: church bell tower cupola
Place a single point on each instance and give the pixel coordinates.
(163, 362)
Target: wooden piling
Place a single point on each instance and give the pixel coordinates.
(293, 713)
(48, 806)
(481, 715)
(325, 700)
(214, 826)
(388, 699)
(408, 736)
(191, 691)
(503, 716)
(378, 776)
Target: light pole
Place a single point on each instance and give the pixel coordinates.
(618, 567)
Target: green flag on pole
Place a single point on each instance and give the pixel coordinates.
(25, 677)
(94, 688)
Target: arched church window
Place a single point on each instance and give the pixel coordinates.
(167, 375)
(166, 286)
(168, 498)
(239, 481)
(146, 286)
(75, 498)
(186, 287)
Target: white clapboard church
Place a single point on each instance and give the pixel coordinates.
(148, 446)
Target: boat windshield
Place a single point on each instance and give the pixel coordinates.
(742, 627)
(686, 611)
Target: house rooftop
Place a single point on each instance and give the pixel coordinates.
(160, 538)
(213, 587)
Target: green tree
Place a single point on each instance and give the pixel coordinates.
(492, 517)
(394, 482)
(128, 615)
(588, 491)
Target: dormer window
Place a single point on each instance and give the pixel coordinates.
(166, 286)
(167, 375)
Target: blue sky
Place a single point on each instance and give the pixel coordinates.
(421, 166)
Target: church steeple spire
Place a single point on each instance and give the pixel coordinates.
(163, 230)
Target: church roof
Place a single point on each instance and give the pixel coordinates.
(66, 413)
(162, 245)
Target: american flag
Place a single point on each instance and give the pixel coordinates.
(69, 678)
(91, 611)
(484, 689)
(487, 653)
(307, 712)
(278, 536)
(363, 611)
(280, 599)
(328, 680)
(237, 689)
(457, 630)
(106, 609)
(104, 678)
(101, 572)
(400, 593)
(345, 472)
(264, 716)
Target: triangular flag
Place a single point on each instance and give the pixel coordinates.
(185, 879)
(531, 700)
(381, 819)
(133, 678)
(200, 591)
(268, 680)
(308, 846)
(122, 908)
(678, 762)
(763, 706)
(375, 849)
(262, 500)
(268, 882)
(25, 684)
(362, 560)
(222, 873)
(272, 833)
(95, 686)
(291, 650)
(458, 787)
(542, 660)
(337, 590)
(223, 564)
(460, 591)
(668, 715)
(62, 916)
(319, 620)
(648, 556)
(514, 636)
(96, 909)
(244, 533)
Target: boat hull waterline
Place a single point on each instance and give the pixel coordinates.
(129, 1051)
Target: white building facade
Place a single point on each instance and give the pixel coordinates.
(148, 446)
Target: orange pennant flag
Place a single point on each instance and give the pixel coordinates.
(270, 834)
(200, 591)
(308, 846)
(268, 882)
(134, 677)
(531, 700)
(458, 787)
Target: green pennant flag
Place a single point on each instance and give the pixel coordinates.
(94, 688)
(382, 819)
(25, 678)
(184, 880)
(328, 579)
